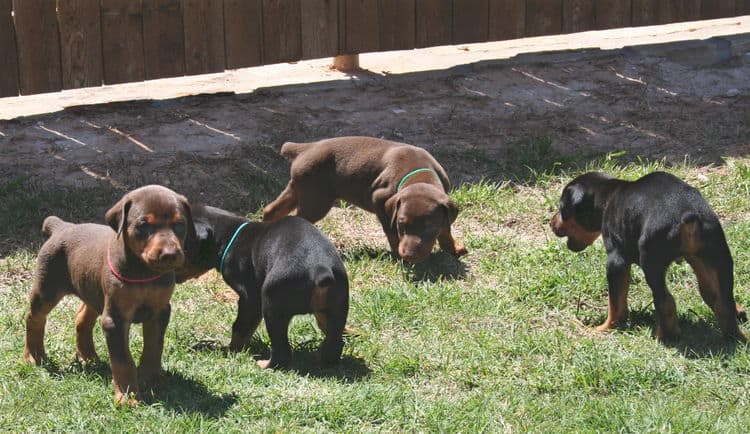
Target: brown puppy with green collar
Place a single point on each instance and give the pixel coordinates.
(402, 184)
(124, 272)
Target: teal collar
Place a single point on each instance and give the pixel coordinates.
(229, 245)
(412, 173)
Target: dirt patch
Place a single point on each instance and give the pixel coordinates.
(479, 121)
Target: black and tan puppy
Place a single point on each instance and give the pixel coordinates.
(279, 270)
(126, 275)
(651, 222)
(402, 184)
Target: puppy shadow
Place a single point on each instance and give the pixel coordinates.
(360, 252)
(175, 391)
(699, 338)
(438, 266)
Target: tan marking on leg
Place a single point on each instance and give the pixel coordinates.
(710, 290)
(85, 321)
(319, 299)
(33, 351)
(451, 245)
(690, 239)
(617, 313)
(283, 205)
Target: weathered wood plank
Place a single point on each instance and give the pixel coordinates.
(743, 7)
(242, 24)
(80, 43)
(282, 41)
(717, 8)
(163, 38)
(578, 16)
(646, 12)
(672, 11)
(9, 70)
(203, 21)
(543, 17)
(434, 22)
(320, 28)
(397, 24)
(38, 43)
(360, 26)
(611, 14)
(507, 19)
(122, 41)
(470, 21)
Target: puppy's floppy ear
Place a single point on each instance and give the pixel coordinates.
(117, 216)
(451, 210)
(391, 208)
(572, 196)
(190, 235)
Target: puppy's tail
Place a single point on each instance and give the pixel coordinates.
(323, 277)
(51, 224)
(290, 150)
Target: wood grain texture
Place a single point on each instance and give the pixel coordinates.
(507, 19)
(38, 43)
(360, 26)
(397, 24)
(578, 16)
(203, 22)
(163, 38)
(282, 40)
(646, 12)
(471, 21)
(612, 14)
(122, 41)
(80, 43)
(543, 17)
(9, 69)
(718, 8)
(434, 22)
(242, 25)
(320, 28)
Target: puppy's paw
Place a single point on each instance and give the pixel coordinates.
(741, 314)
(34, 357)
(127, 399)
(264, 364)
(459, 249)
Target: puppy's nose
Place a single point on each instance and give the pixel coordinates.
(170, 255)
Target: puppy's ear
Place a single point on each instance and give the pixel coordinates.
(117, 216)
(190, 235)
(391, 208)
(572, 196)
(451, 210)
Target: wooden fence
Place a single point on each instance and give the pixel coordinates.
(49, 45)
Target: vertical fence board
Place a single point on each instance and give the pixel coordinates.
(360, 26)
(610, 14)
(80, 43)
(743, 7)
(470, 21)
(717, 8)
(242, 24)
(672, 11)
(543, 17)
(122, 41)
(507, 19)
(203, 22)
(578, 15)
(320, 28)
(38, 45)
(646, 12)
(9, 75)
(163, 38)
(282, 41)
(434, 22)
(397, 24)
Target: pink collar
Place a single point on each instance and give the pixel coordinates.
(125, 279)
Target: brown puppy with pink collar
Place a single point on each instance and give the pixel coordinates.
(402, 184)
(126, 275)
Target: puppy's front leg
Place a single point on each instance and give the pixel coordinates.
(124, 374)
(451, 245)
(618, 282)
(149, 370)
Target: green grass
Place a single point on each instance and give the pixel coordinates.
(501, 341)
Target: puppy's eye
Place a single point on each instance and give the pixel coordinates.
(142, 229)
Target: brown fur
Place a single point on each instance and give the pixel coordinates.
(150, 225)
(366, 171)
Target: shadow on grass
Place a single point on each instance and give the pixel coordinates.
(438, 266)
(699, 338)
(175, 392)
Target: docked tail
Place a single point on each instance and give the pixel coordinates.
(290, 150)
(51, 224)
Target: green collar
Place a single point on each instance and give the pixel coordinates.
(229, 246)
(412, 173)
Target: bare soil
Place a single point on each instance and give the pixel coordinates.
(480, 121)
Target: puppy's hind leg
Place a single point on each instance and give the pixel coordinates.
(665, 308)
(277, 325)
(716, 288)
(41, 300)
(85, 321)
(283, 205)
(331, 318)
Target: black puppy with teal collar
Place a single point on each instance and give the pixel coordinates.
(278, 270)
